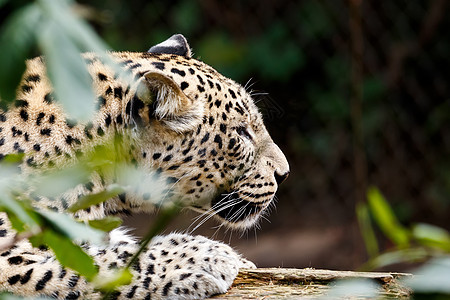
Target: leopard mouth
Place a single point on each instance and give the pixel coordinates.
(236, 211)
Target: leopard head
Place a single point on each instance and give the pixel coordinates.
(204, 132)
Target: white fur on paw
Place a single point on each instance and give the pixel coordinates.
(246, 264)
(195, 267)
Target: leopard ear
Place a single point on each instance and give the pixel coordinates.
(159, 97)
(176, 44)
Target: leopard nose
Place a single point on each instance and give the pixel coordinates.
(279, 178)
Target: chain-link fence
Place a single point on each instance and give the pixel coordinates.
(358, 94)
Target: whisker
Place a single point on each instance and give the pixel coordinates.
(209, 213)
(248, 85)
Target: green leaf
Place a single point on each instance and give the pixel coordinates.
(362, 213)
(22, 215)
(432, 277)
(6, 296)
(17, 38)
(75, 28)
(93, 199)
(353, 288)
(14, 158)
(106, 224)
(67, 71)
(69, 254)
(386, 219)
(432, 236)
(110, 283)
(409, 255)
(59, 181)
(74, 230)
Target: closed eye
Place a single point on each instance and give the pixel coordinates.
(242, 131)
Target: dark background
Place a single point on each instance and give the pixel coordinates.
(357, 95)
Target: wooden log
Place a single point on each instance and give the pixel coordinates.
(279, 283)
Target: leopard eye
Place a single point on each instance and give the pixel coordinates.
(242, 131)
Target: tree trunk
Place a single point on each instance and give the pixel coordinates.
(278, 283)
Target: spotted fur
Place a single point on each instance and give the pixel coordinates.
(191, 128)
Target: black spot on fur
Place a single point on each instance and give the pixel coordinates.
(71, 123)
(101, 101)
(131, 292)
(24, 115)
(25, 278)
(205, 138)
(48, 98)
(37, 147)
(218, 140)
(16, 131)
(100, 131)
(119, 119)
(33, 78)
(233, 95)
(102, 77)
(158, 65)
(73, 295)
(41, 283)
(15, 260)
(150, 270)
(231, 144)
(136, 106)
(167, 288)
(223, 128)
(134, 66)
(108, 120)
(184, 85)
(39, 118)
(21, 103)
(73, 281)
(118, 92)
(70, 140)
(46, 131)
(178, 71)
(26, 88)
(122, 198)
(201, 80)
(13, 279)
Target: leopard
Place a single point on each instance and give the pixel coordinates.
(183, 122)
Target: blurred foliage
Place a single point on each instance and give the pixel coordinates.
(52, 28)
(416, 243)
(298, 51)
(422, 242)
